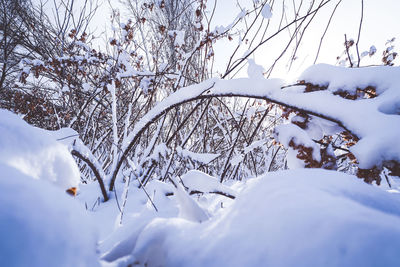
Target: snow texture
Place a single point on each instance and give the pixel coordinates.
(290, 218)
(40, 225)
(70, 138)
(254, 71)
(285, 133)
(268, 224)
(188, 207)
(266, 11)
(35, 152)
(204, 158)
(376, 144)
(196, 180)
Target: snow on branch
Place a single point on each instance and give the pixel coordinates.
(77, 148)
(200, 182)
(204, 158)
(330, 102)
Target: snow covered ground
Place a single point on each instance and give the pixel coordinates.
(40, 225)
(289, 218)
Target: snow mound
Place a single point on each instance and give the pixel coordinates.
(35, 152)
(40, 225)
(304, 217)
(188, 207)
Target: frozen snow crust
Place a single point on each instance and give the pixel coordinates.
(304, 217)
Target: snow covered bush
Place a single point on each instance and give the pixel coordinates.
(162, 48)
(344, 98)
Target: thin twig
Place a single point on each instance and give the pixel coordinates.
(347, 50)
(359, 32)
(326, 29)
(94, 170)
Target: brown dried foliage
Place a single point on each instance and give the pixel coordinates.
(305, 154)
(328, 161)
(370, 175)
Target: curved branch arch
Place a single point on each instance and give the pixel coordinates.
(269, 90)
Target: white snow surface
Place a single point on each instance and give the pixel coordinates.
(366, 118)
(285, 133)
(188, 207)
(35, 152)
(349, 79)
(266, 11)
(254, 71)
(305, 217)
(196, 180)
(40, 225)
(204, 158)
(289, 218)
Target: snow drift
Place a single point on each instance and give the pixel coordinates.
(35, 152)
(292, 218)
(40, 225)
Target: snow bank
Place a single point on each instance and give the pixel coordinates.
(35, 152)
(291, 218)
(188, 207)
(40, 225)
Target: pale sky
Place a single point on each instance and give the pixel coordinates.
(381, 22)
